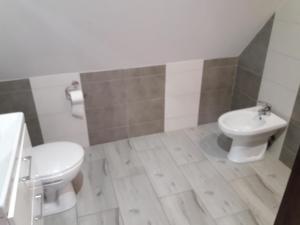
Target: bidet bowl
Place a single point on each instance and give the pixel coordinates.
(247, 122)
(250, 132)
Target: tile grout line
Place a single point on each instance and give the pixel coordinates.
(179, 168)
(113, 186)
(227, 182)
(152, 187)
(164, 148)
(107, 209)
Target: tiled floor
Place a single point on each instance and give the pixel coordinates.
(176, 178)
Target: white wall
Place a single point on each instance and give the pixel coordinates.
(52, 36)
(54, 110)
(281, 76)
(182, 94)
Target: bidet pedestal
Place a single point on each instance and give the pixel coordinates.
(243, 151)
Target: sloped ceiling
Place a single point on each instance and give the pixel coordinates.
(40, 37)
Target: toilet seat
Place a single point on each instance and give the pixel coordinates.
(53, 161)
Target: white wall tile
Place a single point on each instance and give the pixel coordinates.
(182, 94)
(282, 99)
(63, 79)
(178, 83)
(282, 70)
(281, 77)
(79, 138)
(177, 123)
(54, 110)
(184, 66)
(181, 105)
(63, 127)
(59, 125)
(285, 38)
(290, 12)
(51, 100)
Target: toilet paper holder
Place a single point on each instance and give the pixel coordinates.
(73, 87)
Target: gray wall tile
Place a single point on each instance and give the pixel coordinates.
(14, 86)
(296, 110)
(6, 105)
(143, 88)
(209, 116)
(216, 100)
(102, 76)
(109, 117)
(144, 111)
(122, 103)
(151, 127)
(216, 91)
(104, 94)
(34, 130)
(292, 139)
(254, 56)
(122, 74)
(97, 136)
(248, 83)
(23, 102)
(219, 77)
(221, 62)
(16, 96)
(287, 157)
(250, 69)
(240, 100)
(145, 71)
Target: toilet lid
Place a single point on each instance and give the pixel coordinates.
(54, 158)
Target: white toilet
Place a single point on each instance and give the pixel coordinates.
(250, 131)
(54, 166)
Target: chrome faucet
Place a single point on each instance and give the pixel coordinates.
(265, 108)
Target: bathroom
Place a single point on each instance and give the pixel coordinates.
(149, 113)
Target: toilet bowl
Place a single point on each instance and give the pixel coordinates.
(250, 132)
(54, 166)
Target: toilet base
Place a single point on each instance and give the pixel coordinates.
(247, 151)
(66, 199)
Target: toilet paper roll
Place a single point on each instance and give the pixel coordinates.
(78, 111)
(77, 104)
(76, 97)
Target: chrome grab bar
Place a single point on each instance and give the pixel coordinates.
(28, 176)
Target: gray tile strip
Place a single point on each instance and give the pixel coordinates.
(124, 103)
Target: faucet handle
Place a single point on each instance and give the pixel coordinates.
(265, 107)
(264, 104)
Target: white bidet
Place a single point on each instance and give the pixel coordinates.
(250, 132)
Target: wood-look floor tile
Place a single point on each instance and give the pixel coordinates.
(197, 134)
(122, 159)
(182, 149)
(138, 203)
(261, 200)
(164, 175)
(230, 170)
(186, 209)
(242, 218)
(94, 152)
(68, 217)
(147, 142)
(97, 192)
(215, 147)
(217, 195)
(108, 217)
(274, 174)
